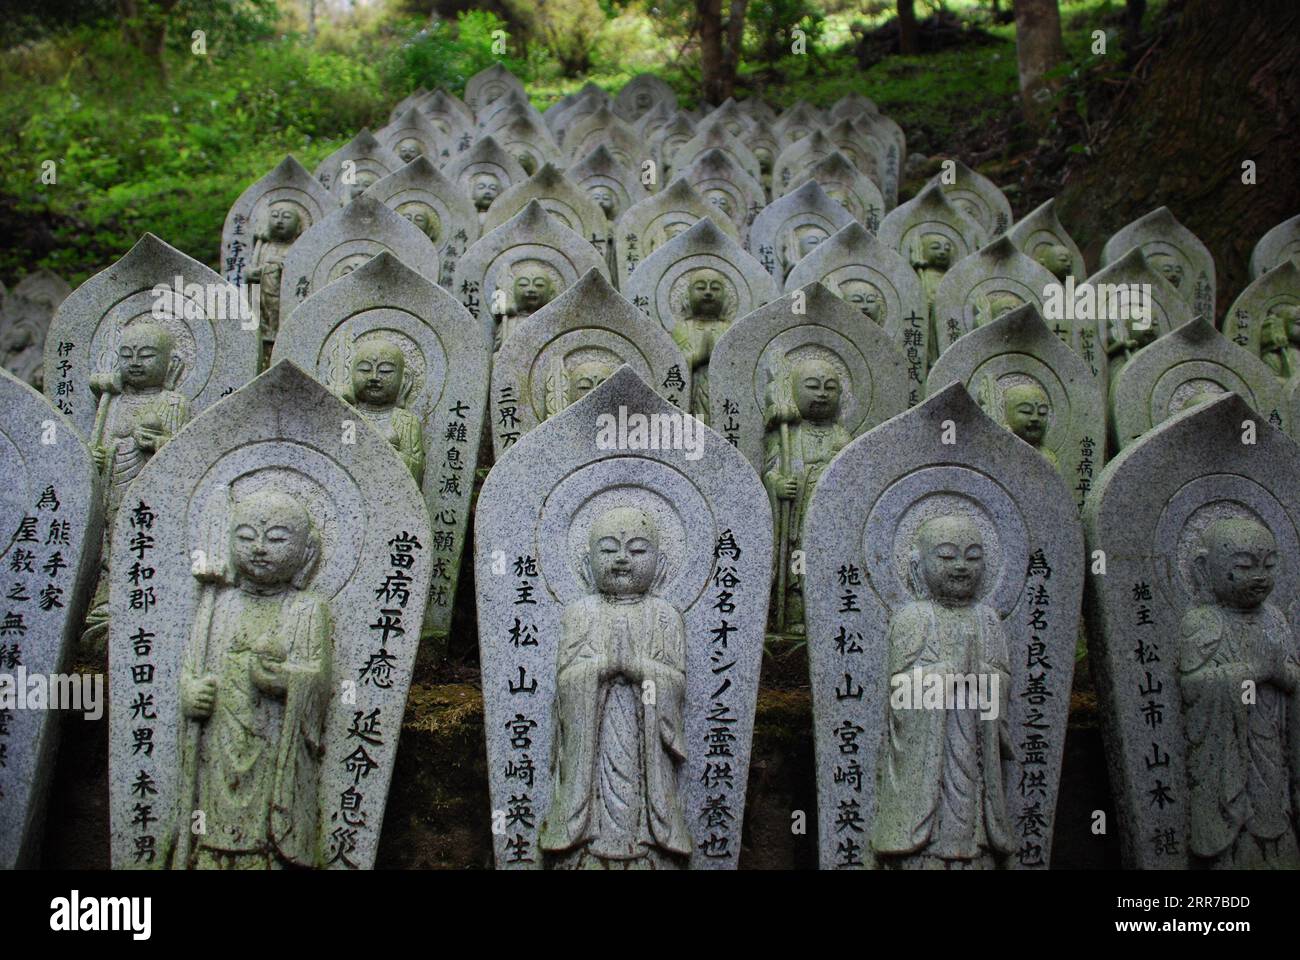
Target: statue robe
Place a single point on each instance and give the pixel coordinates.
(939, 789)
(1240, 757)
(697, 338)
(165, 409)
(402, 430)
(268, 258)
(259, 754)
(615, 756)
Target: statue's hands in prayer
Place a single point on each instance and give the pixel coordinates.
(198, 696)
(99, 454)
(267, 673)
(149, 437)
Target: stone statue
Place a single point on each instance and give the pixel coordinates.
(1056, 257)
(1027, 412)
(347, 265)
(988, 309)
(866, 297)
(931, 256)
(424, 217)
(708, 315)
(408, 148)
(136, 415)
(531, 288)
(721, 200)
(1241, 757)
(567, 387)
(941, 802)
(619, 701)
(376, 390)
(362, 182)
(484, 188)
(1280, 340)
(604, 198)
(283, 226)
(255, 681)
(803, 434)
(799, 243)
(1168, 266)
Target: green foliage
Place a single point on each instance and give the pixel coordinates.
(565, 28)
(443, 54)
(770, 26)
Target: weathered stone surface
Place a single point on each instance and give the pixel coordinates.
(1184, 368)
(797, 121)
(433, 415)
(717, 135)
(1017, 361)
(613, 186)
(527, 140)
(650, 223)
(667, 141)
(51, 512)
(453, 120)
(848, 187)
(559, 119)
(680, 521)
(488, 86)
(1174, 251)
(1040, 235)
(695, 286)
(983, 286)
(435, 205)
(307, 550)
(261, 228)
(1265, 319)
(976, 196)
(214, 351)
(794, 162)
(25, 315)
(857, 267)
(641, 94)
(489, 273)
(349, 170)
(571, 346)
(1189, 650)
(484, 172)
(791, 227)
(864, 150)
(561, 198)
(413, 135)
(410, 100)
(346, 239)
(721, 181)
(602, 126)
(931, 234)
(514, 106)
(1279, 244)
(882, 606)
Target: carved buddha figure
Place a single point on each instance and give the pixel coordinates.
(1237, 675)
(423, 216)
(484, 188)
(722, 200)
(604, 198)
(1027, 413)
(1129, 332)
(584, 378)
(931, 256)
(283, 226)
(620, 694)
(1168, 266)
(866, 297)
(257, 682)
(707, 316)
(408, 148)
(941, 801)
(803, 435)
(361, 182)
(1055, 257)
(799, 243)
(1280, 340)
(347, 265)
(526, 160)
(988, 309)
(531, 288)
(378, 367)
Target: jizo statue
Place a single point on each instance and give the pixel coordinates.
(1027, 412)
(620, 738)
(484, 188)
(931, 256)
(708, 313)
(988, 309)
(283, 226)
(1280, 340)
(254, 688)
(531, 287)
(424, 217)
(1055, 257)
(941, 799)
(866, 297)
(568, 386)
(803, 434)
(408, 148)
(137, 414)
(1238, 676)
(378, 372)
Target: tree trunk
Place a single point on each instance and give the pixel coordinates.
(731, 54)
(311, 21)
(1134, 10)
(710, 14)
(1039, 48)
(907, 40)
(1223, 89)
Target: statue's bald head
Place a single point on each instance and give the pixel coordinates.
(1238, 556)
(144, 354)
(624, 552)
(949, 550)
(272, 538)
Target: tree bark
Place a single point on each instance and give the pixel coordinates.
(1039, 48)
(907, 38)
(719, 47)
(1222, 89)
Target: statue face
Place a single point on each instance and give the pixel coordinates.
(969, 208)
(1239, 557)
(707, 293)
(1286, 317)
(283, 223)
(866, 297)
(672, 229)
(1055, 257)
(362, 182)
(408, 149)
(604, 198)
(952, 558)
(998, 304)
(936, 251)
(809, 238)
(624, 552)
(586, 377)
(533, 287)
(377, 371)
(347, 265)
(1169, 268)
(424, 217)
(268, 538)
(642, 100)
(143, 355)
(485, 189)
(764, 158)
(1028, 412)
(720, 200)
(816, 390)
